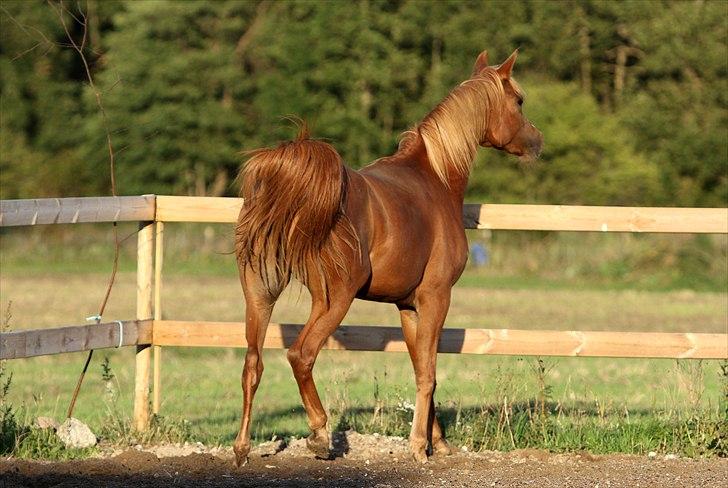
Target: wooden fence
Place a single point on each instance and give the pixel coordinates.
(149, 332)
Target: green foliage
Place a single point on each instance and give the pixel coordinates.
(177, 110)
(9, 425)
(684, 90)
(117, 427)
(118, 430)
(632, 103)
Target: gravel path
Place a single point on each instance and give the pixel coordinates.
(361, 461)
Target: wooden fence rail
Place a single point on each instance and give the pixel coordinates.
(74, 338)
(500, 216)
(149, 330)
(76, 210)
(676, 345)
(460, 341)
(162, 208)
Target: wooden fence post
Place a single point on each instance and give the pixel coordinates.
(158, 260)
(145, 272)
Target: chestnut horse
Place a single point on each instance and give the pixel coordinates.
(391, 232)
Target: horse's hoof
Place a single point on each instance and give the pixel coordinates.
(420, 456)
(241, 455)
(418, 447)
(441, 448)
(319, 445)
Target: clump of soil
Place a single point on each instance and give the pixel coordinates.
(137, 461)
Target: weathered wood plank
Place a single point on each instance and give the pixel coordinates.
(461, 341)
(602, 219)
(198, 209)
(73, 338)
(76, 210)
(501, 217)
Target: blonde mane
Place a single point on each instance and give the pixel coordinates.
(453, 130)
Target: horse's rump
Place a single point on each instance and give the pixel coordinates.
(292, 221)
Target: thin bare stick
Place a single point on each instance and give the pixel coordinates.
(80, 48)
(25, 28)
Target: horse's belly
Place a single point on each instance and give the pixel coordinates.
(392, 280)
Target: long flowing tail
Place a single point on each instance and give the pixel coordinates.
(292, 216)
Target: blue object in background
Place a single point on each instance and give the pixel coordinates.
(479, 255)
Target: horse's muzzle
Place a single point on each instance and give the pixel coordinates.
(527, 143)
(535, 143)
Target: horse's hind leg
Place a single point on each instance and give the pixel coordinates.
(326, 315)
(259, 301)
(409, 318)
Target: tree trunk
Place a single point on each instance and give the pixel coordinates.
(584, 53)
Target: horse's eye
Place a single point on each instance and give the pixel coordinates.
(520, 102)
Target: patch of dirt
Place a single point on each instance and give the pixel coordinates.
(371, 461)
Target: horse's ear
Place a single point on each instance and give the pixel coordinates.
(481, 63)
(504, 70)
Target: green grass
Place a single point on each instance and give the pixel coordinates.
(600, 405)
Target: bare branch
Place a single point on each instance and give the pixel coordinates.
(97, 93)
(25, 28)
(247, 38)
(80, 49)
(23, 53)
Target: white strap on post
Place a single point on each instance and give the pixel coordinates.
(121, 333)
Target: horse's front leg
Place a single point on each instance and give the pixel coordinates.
(409, 319)
(432, 309)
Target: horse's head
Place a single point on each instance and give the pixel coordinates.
(509, 130)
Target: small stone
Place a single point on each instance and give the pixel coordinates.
(652, 454)
(670, 457)
(46, 423)
(75, 434)
(270, 448)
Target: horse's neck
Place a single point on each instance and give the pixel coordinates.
(416, 154)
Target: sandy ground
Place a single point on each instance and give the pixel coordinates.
(361, 461)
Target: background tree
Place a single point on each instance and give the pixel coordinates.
(631, 100)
